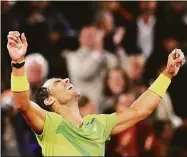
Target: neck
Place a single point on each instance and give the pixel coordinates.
(71, 112)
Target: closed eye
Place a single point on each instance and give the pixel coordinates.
(56, 82)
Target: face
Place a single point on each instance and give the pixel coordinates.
(61, 90)
(170, 44)
(116, 81)
(114, 5)
(87, 36)
(41, 5)
(135, 67)
(34, 73)
(148, 7)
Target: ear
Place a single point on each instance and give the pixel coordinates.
(49, 101)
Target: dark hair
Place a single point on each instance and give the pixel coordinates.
(107, 91)
(159, 126)
(41, 94)
(83, 101)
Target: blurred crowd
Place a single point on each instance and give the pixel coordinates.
(111, 51)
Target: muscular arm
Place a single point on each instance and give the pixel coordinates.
(149, 100)
(33, 114)
(139, 110)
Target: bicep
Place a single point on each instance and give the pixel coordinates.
(126, 119)
(35, 117)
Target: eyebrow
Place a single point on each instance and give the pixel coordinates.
(55, 82)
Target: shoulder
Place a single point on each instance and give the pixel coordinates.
(53, 118)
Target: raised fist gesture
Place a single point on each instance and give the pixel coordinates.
(175, 60)
(17, 47)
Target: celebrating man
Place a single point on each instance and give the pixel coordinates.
(55, 117)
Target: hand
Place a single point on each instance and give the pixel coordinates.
(175, 61)
(118, 36)
(17, 47)
(98, 41)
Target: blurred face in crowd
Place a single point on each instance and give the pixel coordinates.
(170, 44)
(40, 4)
(177, 6)
(125, 101)
(135, 67)
(113, 5)
(148, 6)
(34, 72)
(61, 91)
(110, 5)
(106, 22)
(86, 37)
(6, 5)
(116, 82)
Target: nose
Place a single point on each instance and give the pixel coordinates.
(66, 80)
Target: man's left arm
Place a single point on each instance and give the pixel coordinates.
(150, 99)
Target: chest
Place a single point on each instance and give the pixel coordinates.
(92, 131)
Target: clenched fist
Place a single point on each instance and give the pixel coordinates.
(175, 60)
(17, 47)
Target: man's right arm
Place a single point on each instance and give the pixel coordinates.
(33, 114)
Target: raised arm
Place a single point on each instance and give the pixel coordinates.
(150, 99)
(33, 114)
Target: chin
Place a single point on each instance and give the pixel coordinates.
(76, 93)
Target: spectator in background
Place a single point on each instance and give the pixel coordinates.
(148, 29)
(35, 26)
(133, 141)
(48, 32)
(36, 67)
(116, 82)
(113, 36)
(175, 19)
(122, 19)
(135, 69)
(11, 20)
(86, 106)
(8, 137)
(163, 133)
(159, 58)
(178, 145)
(159, 55)
(165, 111)
(88, 64)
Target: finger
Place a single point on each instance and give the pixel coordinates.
(19, 40)
(178, 62)
(178, 52)
(24, 39)
(172, 55)
(10, 42)
(181, 55)
(16, 33)
(13, 37)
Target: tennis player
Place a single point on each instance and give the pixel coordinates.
(55, 117)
